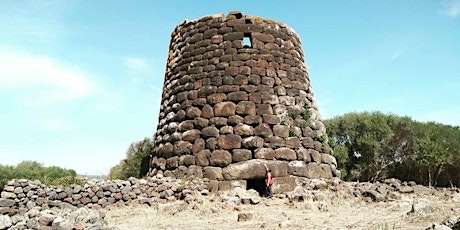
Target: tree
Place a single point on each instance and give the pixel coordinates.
(373, 143)
(136, 163)
(435, 147)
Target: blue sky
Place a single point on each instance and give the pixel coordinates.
(81, 80)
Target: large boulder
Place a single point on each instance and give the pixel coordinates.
(254, 169)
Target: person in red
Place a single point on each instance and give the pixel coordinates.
(269, 181)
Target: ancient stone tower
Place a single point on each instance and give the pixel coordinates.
(236, 96)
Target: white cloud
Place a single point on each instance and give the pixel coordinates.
(42, 79)
(137, 64)
(451, 8)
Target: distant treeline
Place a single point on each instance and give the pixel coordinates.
(32, 170)
(374, 146)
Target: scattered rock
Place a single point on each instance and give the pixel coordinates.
(5, 222)
(422, 205)
(245, 216)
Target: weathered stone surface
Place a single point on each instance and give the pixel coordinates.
(263, 130)
(328, 159)
(213, 173)
(254, 169)
(210, 131)
(220, 158)
(252, 120)
(202, 158)
(191, 135)
(270, 119)
(264, 109)
(241, 155)
(264, 153)
(315, 156)
(244, 130)
(281, 130)
(224, 109)
(253, 142)
(246, 108)
(284, 153)
(314, 170)
(298, 168)
(230, 141)
(292, 142)
(283, 184)
(5, 222)
(245, 216)
(207, 111)
(6, 202)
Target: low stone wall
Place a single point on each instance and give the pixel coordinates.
(22, 195)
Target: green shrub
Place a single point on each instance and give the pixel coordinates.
(303, 125)
(292, 133)
(320, 138)
(293, 115)
(32, 170)
(68, 180)
(306, 114)
(136, 163)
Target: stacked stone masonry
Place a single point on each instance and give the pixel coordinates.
(236, 96)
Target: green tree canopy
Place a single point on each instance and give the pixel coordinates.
(371, 146)
(136, 163)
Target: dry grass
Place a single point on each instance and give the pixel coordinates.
(335, 212)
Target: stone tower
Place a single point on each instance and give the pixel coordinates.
(237, 96)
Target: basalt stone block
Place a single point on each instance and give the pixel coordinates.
(253, 142)
(254, 169)
(230, 141)
(244, 130)
(213, 173)
(224, 109)
(263, 130)
(264, 153)
(241, 155)
(220, 158)
(246, 107)
(284, 153)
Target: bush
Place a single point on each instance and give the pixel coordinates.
(68, 180)
(33, 170)
(136, 163)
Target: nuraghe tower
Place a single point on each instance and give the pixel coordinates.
(236, 96)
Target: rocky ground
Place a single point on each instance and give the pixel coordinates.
(165, 203)
(322, 210)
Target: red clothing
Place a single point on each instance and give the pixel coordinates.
(269, 179)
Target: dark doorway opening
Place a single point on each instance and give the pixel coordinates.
(258, 185)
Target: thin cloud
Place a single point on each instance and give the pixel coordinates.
(395, 56)
(451, 8)
(54, 124)
(137, 64)
(46, 80)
